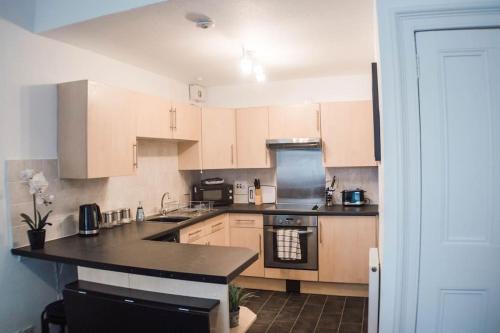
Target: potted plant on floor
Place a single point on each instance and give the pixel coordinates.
(37, 185)
(236, 297)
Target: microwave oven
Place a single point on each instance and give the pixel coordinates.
(219, 194)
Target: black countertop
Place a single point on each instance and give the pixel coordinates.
(126, 248)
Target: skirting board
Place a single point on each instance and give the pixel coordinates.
(323, 288)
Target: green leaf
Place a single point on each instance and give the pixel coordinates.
(29, 224)
(27, 219)
(39, 220)
(43, 221)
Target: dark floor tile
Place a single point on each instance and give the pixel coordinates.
(275, 302)
(255, 307)
(324, 330)
(281, 326)
(266, 316)
(311, 311)
(257, 328)
(355, 302)
(365, 327)
(316, 299)
(334, 307)
(329, 321)
(304, 326)
(350, 328)
(281, 294)
(289, 313)
(296, 300)
(352, 315)
(335, 299)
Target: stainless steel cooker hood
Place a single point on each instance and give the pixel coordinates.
(297, 143)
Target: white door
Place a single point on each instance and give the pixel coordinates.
(459, 86)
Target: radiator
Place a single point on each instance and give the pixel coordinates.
(373, 290)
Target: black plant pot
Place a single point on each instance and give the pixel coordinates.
(37, 239)
(234, 318)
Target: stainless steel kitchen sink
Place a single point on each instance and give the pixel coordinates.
(168, 219)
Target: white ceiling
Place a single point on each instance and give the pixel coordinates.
(292, 38)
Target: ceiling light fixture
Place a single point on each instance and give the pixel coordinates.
(246, 63)
(259, 73)
(249, 65)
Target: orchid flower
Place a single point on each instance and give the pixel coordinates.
(37, 184)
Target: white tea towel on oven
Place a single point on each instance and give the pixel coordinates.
(288, 242)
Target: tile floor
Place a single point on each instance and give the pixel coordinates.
(290, 312)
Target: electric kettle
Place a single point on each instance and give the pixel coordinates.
(90, 218)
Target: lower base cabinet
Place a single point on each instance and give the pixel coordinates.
(246, 230)
(214, 231)
(344, 243)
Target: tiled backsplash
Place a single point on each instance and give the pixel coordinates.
(348, 178)
(157, 173)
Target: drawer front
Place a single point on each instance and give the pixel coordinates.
(246, 220)
(204, 228)
(217, 223)
(192, 233)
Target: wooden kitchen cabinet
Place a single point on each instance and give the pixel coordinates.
(347, 133)
(218, 138)
(246, 230)
(252, 131)
(96, 131)
(153, 116)
(214, 231)
(300, 121)
(344, 243)
(186, 122)
(158, 118)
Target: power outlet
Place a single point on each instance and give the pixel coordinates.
(29, 329)
(240, 187)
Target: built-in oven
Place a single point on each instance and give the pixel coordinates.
(307, 229)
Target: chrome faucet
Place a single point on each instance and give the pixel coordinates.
(163, 211)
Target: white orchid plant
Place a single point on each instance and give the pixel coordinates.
(37, 185)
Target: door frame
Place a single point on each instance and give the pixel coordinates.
(399, 306)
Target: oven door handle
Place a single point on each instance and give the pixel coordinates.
(300, 232)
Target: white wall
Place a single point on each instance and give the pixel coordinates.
(392, 158)
(323, 89)
(30, 66)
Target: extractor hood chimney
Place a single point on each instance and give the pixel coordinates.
(294, 143)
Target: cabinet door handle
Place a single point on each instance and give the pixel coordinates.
(318, 121)
(175, 118)
(245, 221)
(134, 156)
(320, 233)
(217, 224)
(260, 245)
(171, 112)
(194, 233)
(232, 154)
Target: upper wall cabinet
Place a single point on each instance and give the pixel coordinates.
(160, 119)
(185, 121)
(96, 131)
(347, 132)
(301, 121)
(252, 131)
(154, 116)
(218, 138)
